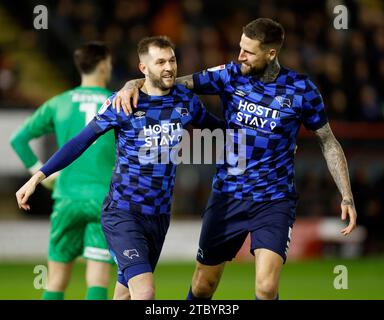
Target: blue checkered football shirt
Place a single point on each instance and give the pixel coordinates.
(151, 132)
(271, 115)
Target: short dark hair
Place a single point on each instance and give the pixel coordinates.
(156, 41)
(267, 31)
(88, 56)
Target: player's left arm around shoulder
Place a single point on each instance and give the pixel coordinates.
(338, 167)
(204, 119)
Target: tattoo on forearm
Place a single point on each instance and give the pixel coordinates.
(186, 81)
(136, 83)
(347, 202)
(336, 161)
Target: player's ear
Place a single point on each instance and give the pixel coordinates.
(143, 68)
(102, 66)
(99, 67)
(272, 54)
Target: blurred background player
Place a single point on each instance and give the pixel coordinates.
(79, 189)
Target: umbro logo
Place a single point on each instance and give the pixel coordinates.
(139, 114)
(240, 93)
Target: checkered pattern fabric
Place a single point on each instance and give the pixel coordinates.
(271, 115)
(139, 183)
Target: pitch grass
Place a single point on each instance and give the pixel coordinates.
(299, 280)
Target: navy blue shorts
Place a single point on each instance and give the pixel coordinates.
(135, 240)
(227, 222)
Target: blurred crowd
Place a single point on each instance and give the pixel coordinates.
(347, 65)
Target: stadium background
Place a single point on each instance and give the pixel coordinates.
(346, 65)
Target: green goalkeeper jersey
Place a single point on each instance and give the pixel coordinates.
(66, 115)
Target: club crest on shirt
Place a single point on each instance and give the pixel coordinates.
(284, 102)
(130, 253)
(182, 111)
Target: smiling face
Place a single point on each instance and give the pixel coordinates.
(159, 66)
(253, 58)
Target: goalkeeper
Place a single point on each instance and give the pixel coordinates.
(78, 190)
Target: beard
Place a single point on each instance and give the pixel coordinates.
(249, 70)
(159, 81)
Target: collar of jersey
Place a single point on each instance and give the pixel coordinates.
(167, 98)
(153, 97)
(91, 88)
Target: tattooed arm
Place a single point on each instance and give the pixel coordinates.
(129, 92)
(268, 75)
(337, 165)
